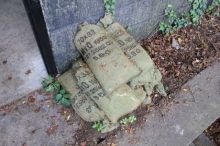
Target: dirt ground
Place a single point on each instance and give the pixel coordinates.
(198, 47)
(213, 132)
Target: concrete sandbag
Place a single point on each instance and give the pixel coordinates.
(121, 102)
(82, 105)
(136, 53)
(105, 59)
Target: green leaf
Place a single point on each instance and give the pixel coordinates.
(58, 97)
(67, 96)
(107, 7)
(112, 7)
(99, 126)
(47, 81)
(113, 1)
(56, 85)
(128, 120)
(169, 6)
(65, 102)
(62, 91)
(49, 88)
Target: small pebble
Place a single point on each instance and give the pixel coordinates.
(175, 44)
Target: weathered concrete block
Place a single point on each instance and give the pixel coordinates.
(63, 16)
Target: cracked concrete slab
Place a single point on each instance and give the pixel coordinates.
(21, 64)
(191, 112)
(37, 121)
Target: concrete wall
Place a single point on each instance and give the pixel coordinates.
(63, 16)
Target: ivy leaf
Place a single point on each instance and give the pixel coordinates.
(49, 88)
(56, 86)
(62, 91)
(169, 6)
(58, 97)
(67, 96)
(113, 1)
(65, 102)
(112, 7)
(107, 7)
(47, 81)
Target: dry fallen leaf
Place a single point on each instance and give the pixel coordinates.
(28, 72)
(179, 40)
(111, 144)
(4, 62)
(185, 89)
(83, 144)
(130, 130)
(31, 99)
(52, 129)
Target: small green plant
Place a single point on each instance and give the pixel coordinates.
(110, 6)
(165, 28)
(98, 125)
(214, 8)
(198, 9)
(173, 22)
(50, 85)
(170, 13)
(63, 98)
(128, 120)
(60, 95)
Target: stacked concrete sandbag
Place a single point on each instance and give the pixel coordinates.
(104, 57)
(150, 76)
(114, 77)
(120, 102)
(82, 104)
